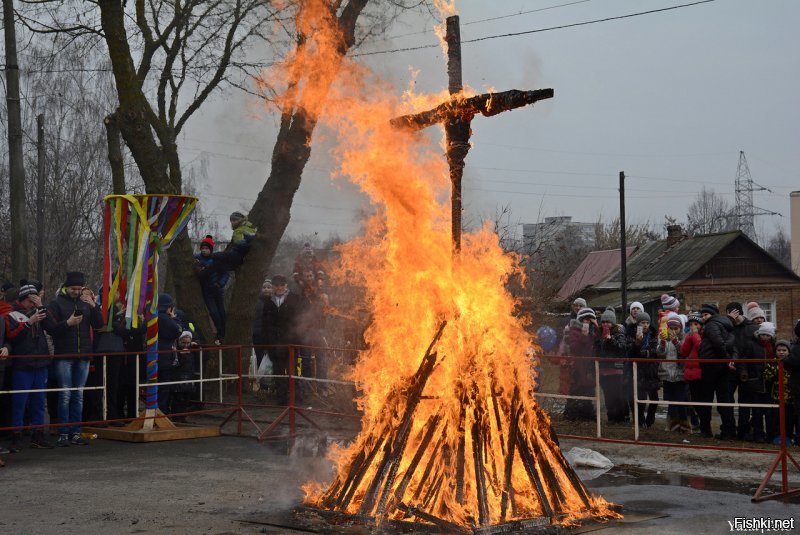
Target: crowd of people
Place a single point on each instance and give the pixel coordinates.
(683, 347)
(34, 333)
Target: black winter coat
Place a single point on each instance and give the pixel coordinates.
(751, 374)
(258, 321)
(792, 365)
(743, 334)
(280, 324)
(168, 332)
(25, 339)
(718, 342)
(66, 339)
(647, 372)
(614, 347)
(113, 340)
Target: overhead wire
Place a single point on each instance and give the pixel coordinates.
(490, 19)
(538, 30)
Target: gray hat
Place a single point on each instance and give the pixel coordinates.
(642, 316)
(609, 315)
(785, 343)
(586, 313)
(580, 301)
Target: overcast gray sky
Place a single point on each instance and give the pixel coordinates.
(670, 98)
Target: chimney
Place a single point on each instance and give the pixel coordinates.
(794, 229)
(674, 234)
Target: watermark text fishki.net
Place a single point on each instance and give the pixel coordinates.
(761, 525)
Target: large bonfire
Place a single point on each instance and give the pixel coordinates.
(451, 432)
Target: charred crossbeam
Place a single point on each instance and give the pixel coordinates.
(465, 108)
(448, 527)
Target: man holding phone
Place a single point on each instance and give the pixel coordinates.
(71, 316)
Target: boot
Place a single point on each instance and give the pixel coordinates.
(16, 442)
(39, 441)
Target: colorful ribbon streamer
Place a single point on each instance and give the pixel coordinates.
(136, 228)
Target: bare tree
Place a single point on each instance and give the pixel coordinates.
(302, 102)
(73, 96)
(606, 234)
(779, 246)
(167, 59)
(710, 213)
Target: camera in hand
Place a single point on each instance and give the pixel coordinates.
(78, 312)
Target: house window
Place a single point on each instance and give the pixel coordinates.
(769, 311)
(769, 308)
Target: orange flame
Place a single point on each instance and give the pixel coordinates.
(414, 282)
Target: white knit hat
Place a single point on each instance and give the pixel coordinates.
(635, 304)
(767, 328)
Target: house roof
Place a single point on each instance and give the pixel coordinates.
(659, 265)
(595, 267)
(614, 298)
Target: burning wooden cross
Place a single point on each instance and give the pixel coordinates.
(457, 114)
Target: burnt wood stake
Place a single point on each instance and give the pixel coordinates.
(429, 466)
(477, 459)
(460, 453)
(508, 490)
(530, 467)
(393, 453)
(431, 427)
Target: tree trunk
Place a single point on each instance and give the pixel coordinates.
(19, 234)
(158, 164)
(115, 156)
(271, 211)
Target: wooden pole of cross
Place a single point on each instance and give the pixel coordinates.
(456, 115)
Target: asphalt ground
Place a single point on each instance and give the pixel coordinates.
(238, 485)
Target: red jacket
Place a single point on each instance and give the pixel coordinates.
(691, 344)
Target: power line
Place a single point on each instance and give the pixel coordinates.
(611, 154)
(538, 30)
(430, 30)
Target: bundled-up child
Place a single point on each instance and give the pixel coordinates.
(183, 370)
(212, 283)
(692, 373)
(642, 343)
(611, 345)
(752, 386)
(781, 351)
(672, 373)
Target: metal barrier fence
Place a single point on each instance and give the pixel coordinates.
(291, 410)
(783, 456)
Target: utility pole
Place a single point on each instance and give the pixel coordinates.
(623, 245)
(40, 176)
(19, 239)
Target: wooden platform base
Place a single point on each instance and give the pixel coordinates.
(158, 428)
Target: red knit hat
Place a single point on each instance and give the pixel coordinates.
(208, 241)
